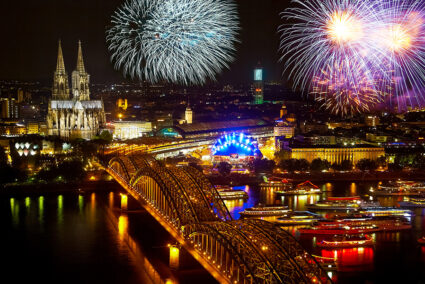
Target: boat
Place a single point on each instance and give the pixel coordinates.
(385, 223)
(265, 211)
(230, 194)
(413, 203)
(276, 182)
(339, 229)
(399, 188)
(421, 241)
(298, 218)
(342, 203)
(304, 188)
(346, 241)
(386, 211)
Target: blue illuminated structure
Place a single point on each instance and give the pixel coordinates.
(236, 145)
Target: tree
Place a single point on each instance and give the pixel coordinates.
(3, 157)
(262, 165)
(346, 165)
(224, 168)
(419, 162)
(381, 161)
(302, 165)
(366, 165)
(318, 165)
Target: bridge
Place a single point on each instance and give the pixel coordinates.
(189, 207)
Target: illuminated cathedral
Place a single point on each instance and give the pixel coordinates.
(76, 116)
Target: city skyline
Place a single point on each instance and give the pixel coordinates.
(27, 56)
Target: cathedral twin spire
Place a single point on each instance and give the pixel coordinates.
(80, 79)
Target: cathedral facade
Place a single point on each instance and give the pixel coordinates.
(73, 116)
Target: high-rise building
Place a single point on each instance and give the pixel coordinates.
(188, 115)
(9, 108)
(76, 117)
(258, 86)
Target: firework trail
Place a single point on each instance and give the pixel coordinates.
(378, 44)
(179, 41)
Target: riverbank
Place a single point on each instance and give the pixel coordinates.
(56, 187)
(240, 179)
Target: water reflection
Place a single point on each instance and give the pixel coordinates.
(60, 209)
(41, 209)
(80, 203)
(14, 209)
(27, 202)
(349, 259)
(122, 227)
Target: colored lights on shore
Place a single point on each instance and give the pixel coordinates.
(235, 143)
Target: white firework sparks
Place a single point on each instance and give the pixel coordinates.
(179, 41)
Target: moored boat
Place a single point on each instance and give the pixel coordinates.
(421, 241)
(265, 211)
(298, 218)
(338, 229)
(342, 203)
(229, 194)
(346, 241)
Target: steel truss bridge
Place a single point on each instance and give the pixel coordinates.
(190, 208)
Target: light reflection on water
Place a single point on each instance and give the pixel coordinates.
(394, 251)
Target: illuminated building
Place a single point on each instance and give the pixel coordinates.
(284, 128)
(283, 111)
(122, 104)
(214, 129)
(33, 128)
(12, 129)
(371, 121)
(76, 117)
(131, 129)
(9, 108)
(188, 115)
(336, 153)
(258, 86)
(235, 148)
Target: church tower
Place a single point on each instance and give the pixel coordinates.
(80, 79)
(188, 115)
(60, 90)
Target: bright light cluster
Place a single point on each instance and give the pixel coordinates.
(348, 52)
(179, 41)
(235, 143)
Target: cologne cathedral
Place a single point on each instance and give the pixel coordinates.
(76, 116)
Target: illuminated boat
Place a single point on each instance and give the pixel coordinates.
(265, 211)
(346, 241)
(421, 241)
(386, 211)
(276, 182)
(399, 188)
(413, 203)
(301, 189)
(385, 223)
(229, 194)
(342, 203)
(339, 229)
(298, 218)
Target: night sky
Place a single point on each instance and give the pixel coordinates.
(30, 30)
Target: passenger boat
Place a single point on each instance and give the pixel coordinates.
(385, 223)
(298, 218)
(413, 203)
(265, 211)
(386, 211)
(276, 182)
(399, 188)
(342, 203)
(339, 229)
(421, 241)
(306, 187)
(229, 194)
(346, 241)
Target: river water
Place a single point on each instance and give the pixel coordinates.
(395, 258)
(85, 238)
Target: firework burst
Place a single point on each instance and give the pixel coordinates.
(179, 41)
(365, 48)
(341, 95)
